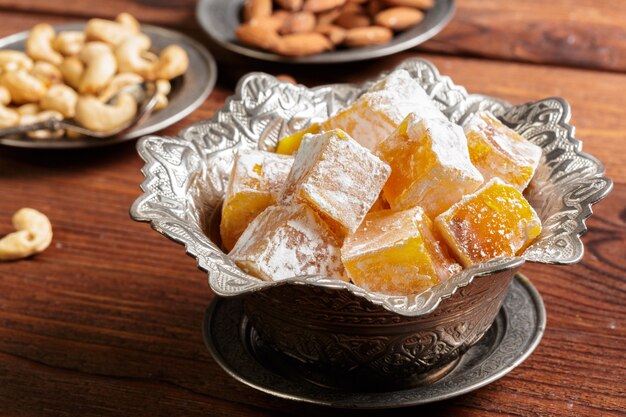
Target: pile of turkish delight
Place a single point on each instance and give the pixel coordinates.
(388, 194)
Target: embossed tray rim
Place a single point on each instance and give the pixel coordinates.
(225, 279)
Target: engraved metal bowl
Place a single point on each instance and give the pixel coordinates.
(367, 339)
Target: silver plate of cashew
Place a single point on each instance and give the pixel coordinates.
(186, 93)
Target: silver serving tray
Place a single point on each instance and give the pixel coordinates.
(188, 92)
(186, 177)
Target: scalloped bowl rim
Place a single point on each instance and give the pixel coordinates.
(386, 301)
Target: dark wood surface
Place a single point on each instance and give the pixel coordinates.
(106, 322)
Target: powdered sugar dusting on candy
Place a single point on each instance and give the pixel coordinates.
(430, 165)
(337, 177)
(259, 170)
(255, 180)
(288, 241)
(375, 115)
(397, 252)
(494, 221)
(498, 151)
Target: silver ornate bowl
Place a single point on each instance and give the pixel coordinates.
(366, 339)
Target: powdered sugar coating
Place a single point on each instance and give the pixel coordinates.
(255, 181)
(375, 115)
(494, 221)
(430, 165)
(255, 170)
(397, 252)
(498, 151)
(337, 177)
(288, 241)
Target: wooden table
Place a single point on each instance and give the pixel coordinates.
(107, 321)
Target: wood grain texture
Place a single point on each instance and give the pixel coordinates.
(576, 33)
(106, 322)
(588, 33)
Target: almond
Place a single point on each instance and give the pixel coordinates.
(302, 44)
(350, 20)
(317, 6)
(326, 18)
(291, 5)
(256, 9)
(372, 35)
(352, 8)
(300, 22)
(418, 4)
(399, 18)
(335, 33)
(374, 7)
(275, 22)
(257, 35)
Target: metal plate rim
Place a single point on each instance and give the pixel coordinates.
(531, 344)
(334, 57)
(210, 68)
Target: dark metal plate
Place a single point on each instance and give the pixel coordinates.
(516, 332)
(220, 18)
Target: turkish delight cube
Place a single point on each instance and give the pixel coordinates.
(498, 151)
(290, 144)
(288, 241)
(255, 182)
(337, 177)
(379, 204)
(495, 221)
(430, 165)
(397, 252)
(378, 112)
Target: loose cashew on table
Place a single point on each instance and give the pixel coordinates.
(33, 235)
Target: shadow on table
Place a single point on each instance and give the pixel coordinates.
(21, 163)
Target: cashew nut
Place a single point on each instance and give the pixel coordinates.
(30, 109)
(5, 96)
(60, 98)
(72, 70)
(117, 83)
(40, 117)
(24, 87)
(101, 117)
(47, 73)
(100, 67)
(128, 20)
(173, 61)
(33, 235)
(8, 117)
(108, 31)
(69, 43)
(163, 89)
(39, 44)
(11, 60)
(131, 56)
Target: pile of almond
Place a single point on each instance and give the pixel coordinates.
(309, 27)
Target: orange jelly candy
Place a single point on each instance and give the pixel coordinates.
(397, 252)
(377, 113)
(498, 151)
(255, 181)
(379, 204)
(495, 221)
(288, 241)
(430, 165)
(290, 144)
(337, 177)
